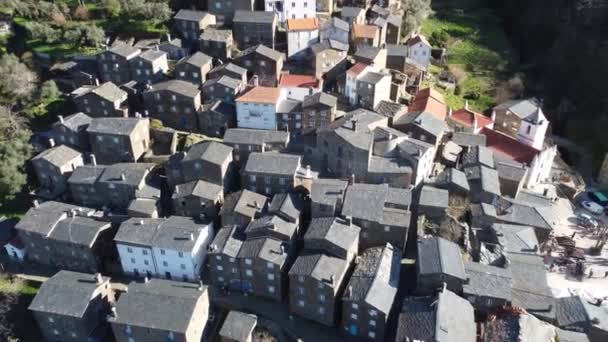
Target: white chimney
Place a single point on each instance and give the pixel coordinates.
(36, 203)
(466, 104)
(52, 142)
(475, 123)
(60, 117)
(93, 160)
(255, 81)
(191, 236)
(123, 177)
(146, 280)
(98, 278)
(449, 112)
(97, 82)
(308, 172)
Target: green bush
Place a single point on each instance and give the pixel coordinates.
(439, 39)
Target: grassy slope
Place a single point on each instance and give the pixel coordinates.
(477, 45)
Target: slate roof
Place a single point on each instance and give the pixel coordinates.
(478, 155)
(228, 241)
(86, 174)
(180, 233)
(199, 188)
(244, 202)
(271, 226)
(125, 50)
(351, 11)
(328, 191)
(378, 203)
(255, 136)
(110, 92)
(522, 108)
(139, 231)
(198, 59)
(570, 312)
(159, 304)
(67, 294)
(213, 34)
(516, 238)
(115, 126)
(79, 230)
(337, 23)
(44, 218)
(272, 163)
(414, 148)
(289, 206)
(320, 98)
(433, 197)
(75, 122)
(530, 290)
(258, 17)
(375, 279)
(367, 52)
(152, 55)
(58, 155)
(225, 81)
(439, 256)
(238, 326)
(268, 250)
(372, 77)
(361, 136)
(397, 50)
(445, 318)
(126, 173)
(390, 109)
(190, 15)
(487, 281)
(230, 67)
(571, 336)
(522, 214)
(262, 50)
(321, 267)
(468, 139)
(511, 170)
(487, 177)
(425, 120)
(334, 231)
(210, 151)
(451, 177)
(176, 86)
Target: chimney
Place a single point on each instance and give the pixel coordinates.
(271, 226)
(475, 123)
(308, 172)
(168, 36)
(351, 180)
(283, 250)
(466, 104)
(36, 203)
(155, 47)
(93, 160)
(60, 117)
(123, 177)
(98, 278)
(52, 142)
(177, 189)
(191, 236)
(97, 82)
(263, 147)
(146, 280)
(332, 279)
(200, 285)
(354, 124)
(140, 222)
(138, 115)
(255, 80)
(113, 312)
(257, 205)
(450, 112)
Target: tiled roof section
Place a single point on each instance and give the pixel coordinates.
(570, 312)
(151, 55)
(378, 203)
(397, 50)
(364, 31)
(516, 238)
(333, 231)
(373, 77)
(259, 17)
(268, 95)
(376, 278)
(180, 233)
(229, 67)
(328, 191)
(289, 206)
(210, 151)
(390, 109)
(478, 155)
(177, 86)
(79, 230)
(303, 24)
(321, 267)
(429, 100)
(199, 59)
(417, 39)
(225, 81)
(357, 69)
(530, 289)
(67, 294)
(244, 202)
(262, 50)
(439, 256)
(76, 122)
(159, 304)
(238, 326)
(198, 188)
(125, 50)
(126, 173)
(58, 155)
(336, 23)
(487, 281)
(271, 226)
(524, 109)
(86, 174)
(351, 11)
(427, 121)
(255, 136)
(123, 126)
(110, 92)
(468, 139)
(300, 81)
(190, 15)
(44, 218)
(367, 52)
(509, 147)
(320, 98)
(467, 118)
(273, 163)
(433, 197)
(228, 241)
(213, 34)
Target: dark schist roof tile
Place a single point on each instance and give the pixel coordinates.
(440, 256)
(238, 326)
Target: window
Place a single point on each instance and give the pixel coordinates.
(252, 178)
(173, 98)
(162, 252)
(129, 250)
(218, 257)
(220, 279)
(353, 316)
(387, 229)
(373, 312)
(51, 320)
(322, 297)
(170, 336)
(183, 266)
(321, 310)
(166, 264)
(269, 265)
(248, 261)
(293, 5)
(55, 331)
(528, 129)
(132, 260)
(372, 323)
(249, 273)
(271, 289)
(372, 334)
(270, 276)
(267, 179)
(220, 268)
(301, 303)
(355, 306)
(195, 74)
(146, 262)
(234, 270)
(262, 63)
(99, 138)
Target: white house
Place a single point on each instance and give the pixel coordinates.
(16, 249)
(292, 9)
(297, 87)
(419, 49)
(352, 75)
(257, 108)
(171, 248)
(367, 86)
(522, 119)
(301, 34)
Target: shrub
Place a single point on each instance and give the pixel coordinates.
(81, 13)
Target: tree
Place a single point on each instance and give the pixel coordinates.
(416, 11)
(146, 10)
(42, 31)
(81, 13)
(17, 83)
(112, 7)
(87, 34)
(48, 91)
(439, 39)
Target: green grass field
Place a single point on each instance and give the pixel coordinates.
(478, 48)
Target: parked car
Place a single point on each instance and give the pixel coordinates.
(598, 197)
(593, 207)
(587, 221)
